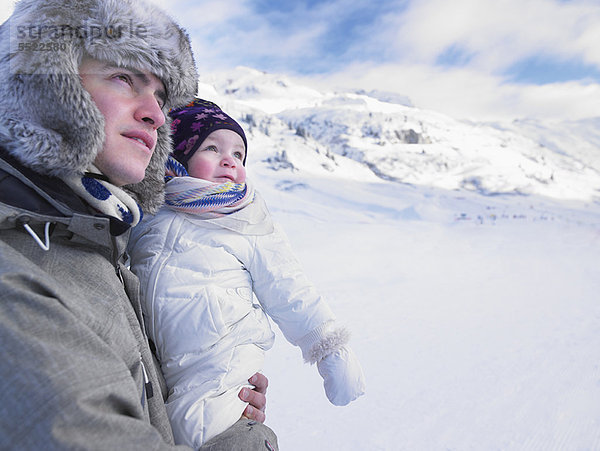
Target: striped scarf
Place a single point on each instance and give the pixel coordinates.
(201, 197)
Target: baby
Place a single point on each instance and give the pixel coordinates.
(200, 259)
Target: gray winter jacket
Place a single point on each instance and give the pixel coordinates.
(76, 371)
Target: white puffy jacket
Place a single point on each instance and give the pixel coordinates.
(197, 279)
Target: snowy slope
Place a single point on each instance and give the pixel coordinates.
(476, 319)
(474, 310)
(399, 142)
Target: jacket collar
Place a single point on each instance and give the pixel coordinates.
(27, 197)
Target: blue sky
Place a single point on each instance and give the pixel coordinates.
(478, 59)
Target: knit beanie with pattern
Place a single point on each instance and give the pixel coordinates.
(194, 122)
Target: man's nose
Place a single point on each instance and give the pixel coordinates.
(149, 111)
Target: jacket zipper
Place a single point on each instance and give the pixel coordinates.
(147, 390)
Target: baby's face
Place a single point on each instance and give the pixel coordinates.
(219, 158)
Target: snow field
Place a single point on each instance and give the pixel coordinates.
(472, 336)
(473, 300)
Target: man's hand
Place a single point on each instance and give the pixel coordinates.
(256, 398)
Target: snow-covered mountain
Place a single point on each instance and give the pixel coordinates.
(473, 310)
(374, 134)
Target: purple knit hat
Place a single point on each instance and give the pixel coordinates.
(194, 122)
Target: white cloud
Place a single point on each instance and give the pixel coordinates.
(6, 9)
(466, 93)
(207, 14)
(398, 50)
(495, 33)
(232, 33)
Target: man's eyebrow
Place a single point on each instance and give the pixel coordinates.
(145, 80)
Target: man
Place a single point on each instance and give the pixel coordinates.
(84, 88)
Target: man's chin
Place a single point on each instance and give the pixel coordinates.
(123, 179)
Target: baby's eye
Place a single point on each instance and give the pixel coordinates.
(212, 148)
(239, 155)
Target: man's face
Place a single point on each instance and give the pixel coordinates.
(130, 102)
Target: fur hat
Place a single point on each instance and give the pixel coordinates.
(47, 120)
(194, 122)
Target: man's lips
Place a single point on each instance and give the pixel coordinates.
(142, 137)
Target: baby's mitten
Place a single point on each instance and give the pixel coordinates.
(342, 374)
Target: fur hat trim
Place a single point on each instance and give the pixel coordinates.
(47, 120)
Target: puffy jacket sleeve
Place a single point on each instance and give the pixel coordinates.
(283, 289)
(304, 317)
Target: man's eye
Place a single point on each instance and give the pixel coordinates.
(123, 77)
